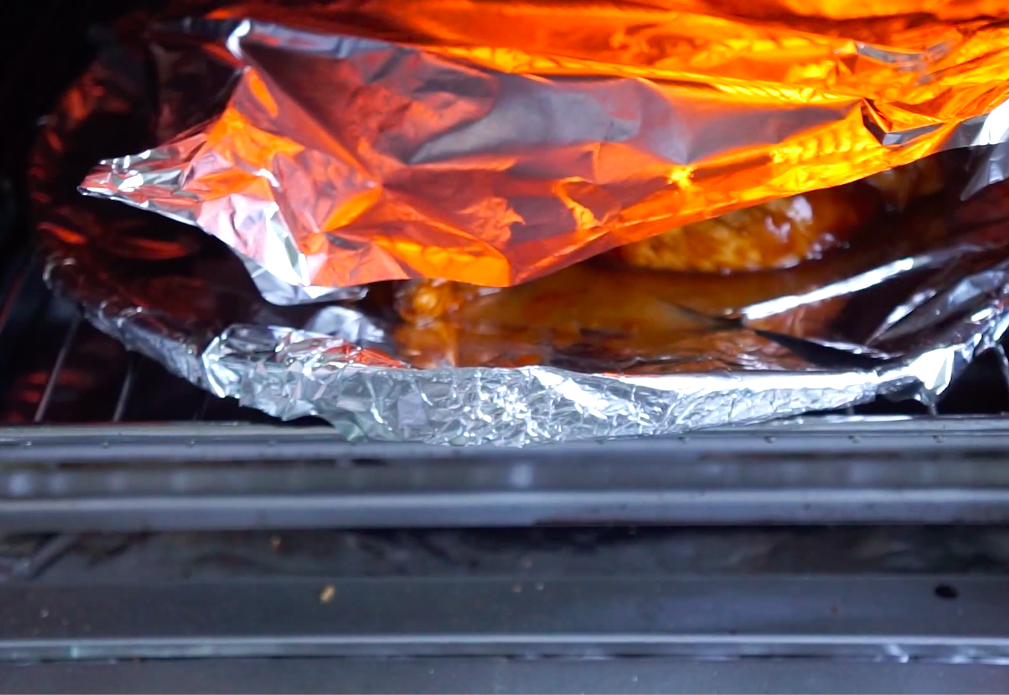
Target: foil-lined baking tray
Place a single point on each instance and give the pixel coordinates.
(905, 329)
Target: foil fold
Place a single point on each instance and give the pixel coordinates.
(291, 374)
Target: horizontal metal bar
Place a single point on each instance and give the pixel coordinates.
(235, 477)
(467, 509)
(191, 441)
(949, 618)
(474, 675)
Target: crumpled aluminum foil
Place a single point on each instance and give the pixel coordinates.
(492, 142)
(182, 298)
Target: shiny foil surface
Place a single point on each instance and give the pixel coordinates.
(336, 144)
(904, 326)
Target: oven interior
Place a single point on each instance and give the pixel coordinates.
(158, 538)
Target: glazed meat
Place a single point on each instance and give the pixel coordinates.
(605, 317)
(602, 315)
(613, 310)
(777, 234)
(784, 232)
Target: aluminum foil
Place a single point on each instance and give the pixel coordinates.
(492, 142)
(904, 328)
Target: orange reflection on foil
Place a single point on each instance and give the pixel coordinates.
(494, 141)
